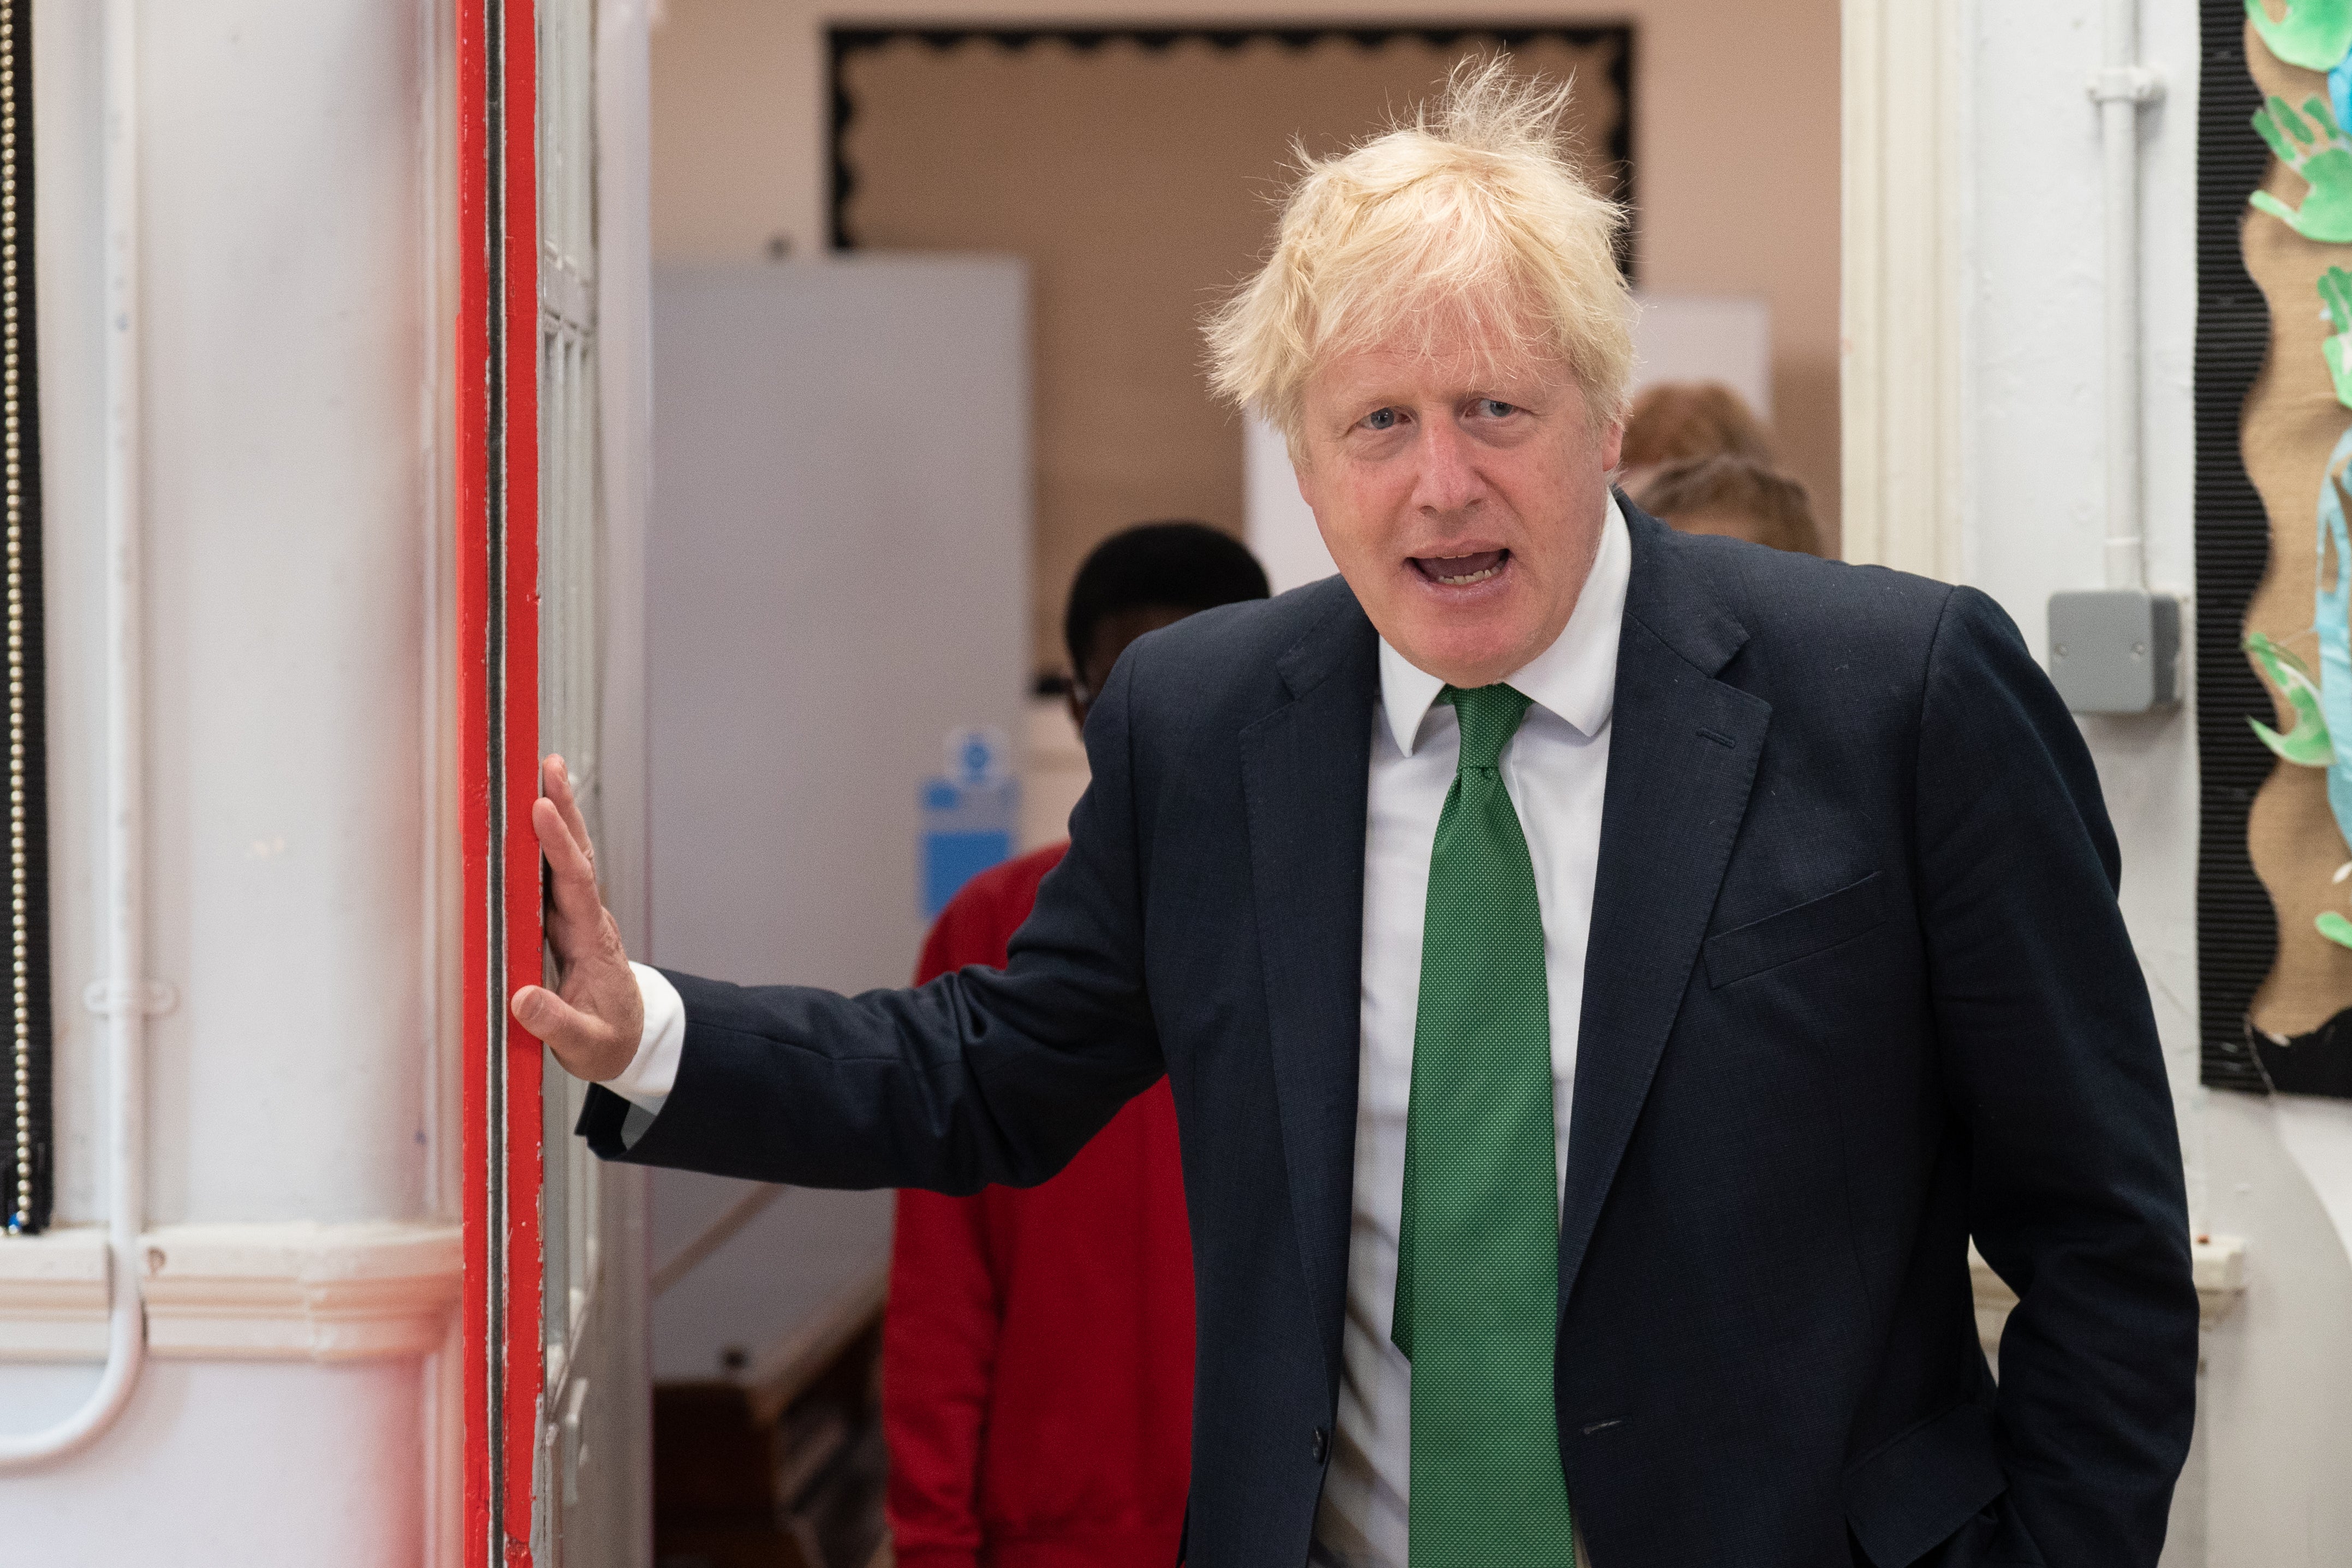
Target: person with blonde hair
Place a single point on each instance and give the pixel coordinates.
(1604, 976)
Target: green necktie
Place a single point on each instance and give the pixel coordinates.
(1477, 1300)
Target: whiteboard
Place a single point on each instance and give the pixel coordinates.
(836, 575)
(837, 571)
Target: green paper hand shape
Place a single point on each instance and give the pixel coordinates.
(2336, 295)
(2335, 927)
(2318, 150)
(2314, 33)
(2307, 744)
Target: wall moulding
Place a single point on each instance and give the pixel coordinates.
(1902, 302)
(293, 1291)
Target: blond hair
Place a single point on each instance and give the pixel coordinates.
(1467, 215)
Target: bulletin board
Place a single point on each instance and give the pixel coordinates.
(2274, 554)
(1137, 171)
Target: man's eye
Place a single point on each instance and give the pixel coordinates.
(1381, 419)
(1494, 408)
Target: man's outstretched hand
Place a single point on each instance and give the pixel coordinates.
(594, 1022)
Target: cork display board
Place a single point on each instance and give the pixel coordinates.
(1136, 173)
(2294, 231)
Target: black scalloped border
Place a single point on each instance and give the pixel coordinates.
(33, 1111)
(842, 42)
(2237, 931)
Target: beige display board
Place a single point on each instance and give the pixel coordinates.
(2291, 424)
(1138, 178)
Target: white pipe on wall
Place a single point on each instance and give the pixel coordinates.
(2121, 85)
(123, 996)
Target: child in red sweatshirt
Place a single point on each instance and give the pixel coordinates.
(1037, 1348)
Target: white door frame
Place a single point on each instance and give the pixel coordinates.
(1903, 308)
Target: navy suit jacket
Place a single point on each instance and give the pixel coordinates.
(1857, 990)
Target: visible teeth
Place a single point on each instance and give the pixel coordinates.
(1473, 577)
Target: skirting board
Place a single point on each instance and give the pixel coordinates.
(303, 1292)
(292, 1292)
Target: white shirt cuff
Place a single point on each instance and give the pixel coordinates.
(652, 1073)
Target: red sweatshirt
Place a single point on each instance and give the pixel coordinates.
(1037, 1349)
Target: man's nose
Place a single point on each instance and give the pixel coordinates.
(1448, 480)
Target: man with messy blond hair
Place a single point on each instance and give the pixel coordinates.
(1606, 978)
(1464, 222)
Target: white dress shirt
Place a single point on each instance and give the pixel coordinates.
(1555, 769)
(646, 1081)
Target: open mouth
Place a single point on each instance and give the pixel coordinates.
(1461, 571)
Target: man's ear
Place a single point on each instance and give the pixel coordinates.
(1612, 446)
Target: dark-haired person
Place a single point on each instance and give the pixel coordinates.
(1037, 1349)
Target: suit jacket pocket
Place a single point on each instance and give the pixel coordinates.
(1923, 1488)
(1797, 932)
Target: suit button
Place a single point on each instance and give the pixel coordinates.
(1322, 1444)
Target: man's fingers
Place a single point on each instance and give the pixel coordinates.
(565, 856)
(541, 1010)
(579, 912)
(598, 1040)
(556, 780)
(584, 1044)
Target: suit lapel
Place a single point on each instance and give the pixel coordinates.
(1304, 771)
(1681, 754)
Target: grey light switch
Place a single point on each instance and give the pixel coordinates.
(2116, 650)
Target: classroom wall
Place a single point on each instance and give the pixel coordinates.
(2264, 1488)
(1133, 180)
(288, 737)
(1736, 139)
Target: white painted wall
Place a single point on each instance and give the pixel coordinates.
(289, 477)
(2265, 1488)
(226, 1464)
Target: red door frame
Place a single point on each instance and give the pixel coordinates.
(496, 403)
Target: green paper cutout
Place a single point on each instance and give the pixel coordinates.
(2335, 295)
(2335, 927)
(2314, 33)
(2318, 150)
(2307, 744)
